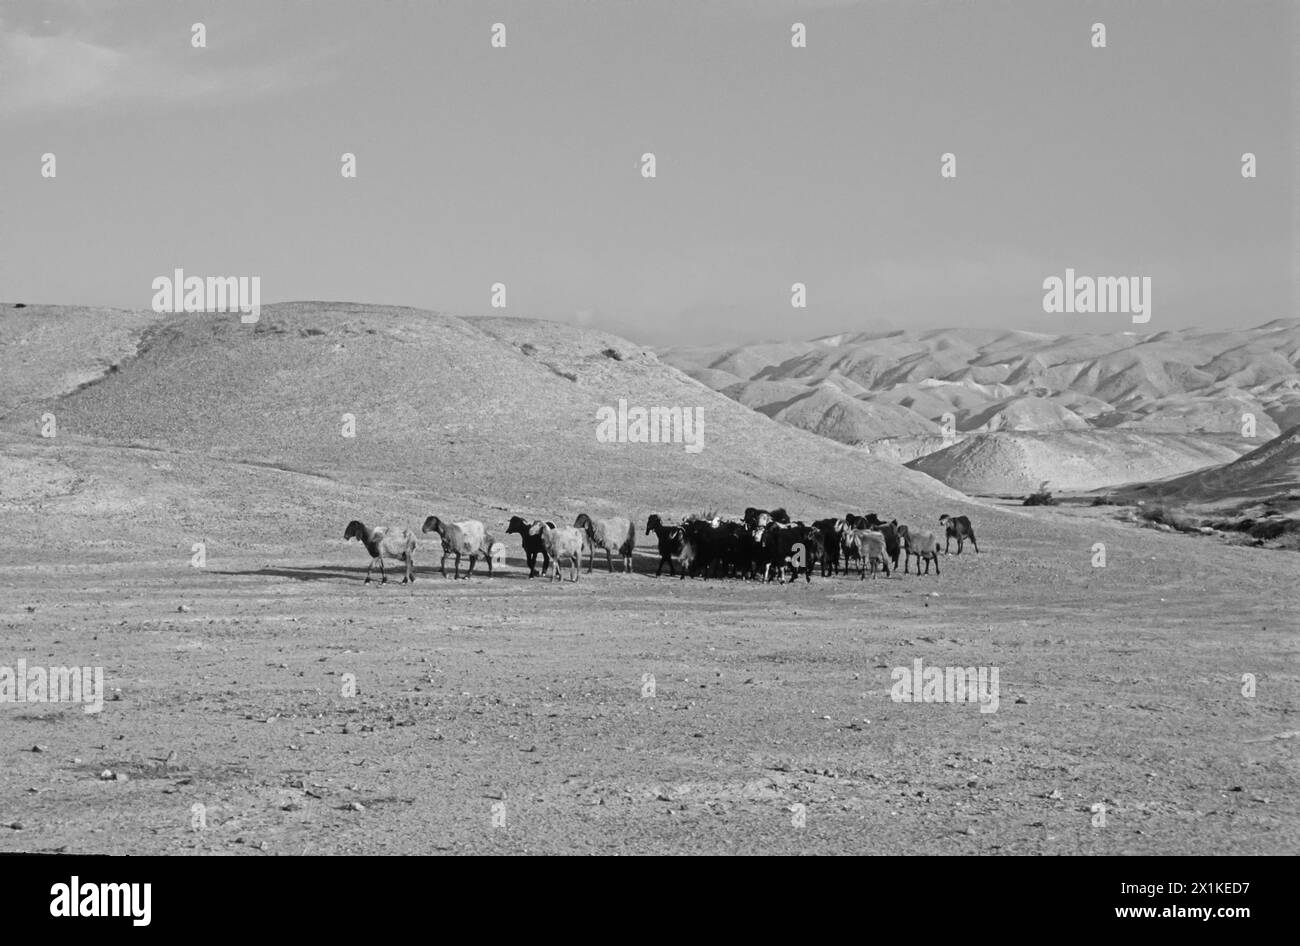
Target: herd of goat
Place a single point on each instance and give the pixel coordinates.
(762, 544)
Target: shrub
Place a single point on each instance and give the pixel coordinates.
(1271, 529)
(1042, 497)
(1164, 516)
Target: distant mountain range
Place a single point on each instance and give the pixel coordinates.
(990, 411)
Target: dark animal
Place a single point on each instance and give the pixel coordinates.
(815, 550)
(829, 530)
(734, 544)
(737, 548)
(758, 517)
(533, 545)
(709, 541)
(674, 546)
(870, 521)
(778, 547)
(959, 528)
(889, 531)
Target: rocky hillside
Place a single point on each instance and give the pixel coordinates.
(1140, 406)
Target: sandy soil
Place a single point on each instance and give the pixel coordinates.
(1116, 688)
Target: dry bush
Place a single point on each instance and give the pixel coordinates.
(1165, 516)
(1041, 497)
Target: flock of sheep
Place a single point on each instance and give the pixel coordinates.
(761, 544)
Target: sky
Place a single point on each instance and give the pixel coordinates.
(774, 165)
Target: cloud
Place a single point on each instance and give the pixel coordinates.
(40, 74)
(44, 72)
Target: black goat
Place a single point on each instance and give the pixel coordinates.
(533, 545)
(779, 547)
(959, 528)
(758, 517)
(674, 545)
(829, 530)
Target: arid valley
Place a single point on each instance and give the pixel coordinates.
(260, 699)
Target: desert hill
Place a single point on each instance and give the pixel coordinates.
(1018, 462)
(160, 418)
(1270, 472)
(1144, 406)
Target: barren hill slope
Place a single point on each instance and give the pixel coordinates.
(1017, 462)
(1186, 392)
(481, 417)
(1272, 471)
(46, 351)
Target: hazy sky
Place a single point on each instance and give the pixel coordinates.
(775, 165)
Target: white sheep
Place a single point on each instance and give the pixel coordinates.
(868, 546)
(613, 535)
(923, 545)
(384, 542)
(561, 540)
(461, 538)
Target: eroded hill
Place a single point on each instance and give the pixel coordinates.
(1143, 406)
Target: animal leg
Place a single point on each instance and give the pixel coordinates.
(369, 568)
(443, 567)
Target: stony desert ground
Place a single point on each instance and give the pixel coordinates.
(1120, 685)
